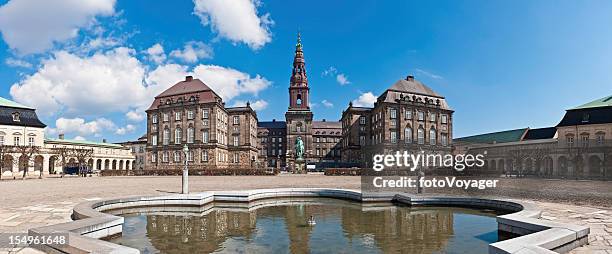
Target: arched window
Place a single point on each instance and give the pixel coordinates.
(299, 99)
(421, 136)
(432, 136)
(166, 136)
(177, 135)
(190, 135)
(408, 135)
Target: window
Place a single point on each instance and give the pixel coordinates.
(177, 116)
(154, 157)
(392, 113)
(280, 152)
(166, 136)
(599, 137)
(421, 136)
(189, 114)
(165, 117)
(584, 140)
(154, 118)
(421, 116)
(298, 128)
(318, 151)
(177, 135)
(585, 118)
(444, 139)
(31, 141)
(1, 140)
(204, 156)
(236, 140)
(407, 135)
(362, 140)
(432, 117)
(393, 137)
(177, 156)
(432, 136)
(408, 114)
(165, 157)
(236, 157)
(443, 119)
(190, 156)
(205, 137)
(205, 114)
(362, 120)
(318, 140)
(16, 117)
(570, 140)
(16, 141)
(236, 120)
(190, 135)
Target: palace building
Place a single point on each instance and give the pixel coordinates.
(578, 147)
(191, 114)
(408, 115)
(20, 129)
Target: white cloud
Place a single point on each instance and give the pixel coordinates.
(428, 74)
(80, 127)
(229, 83)
(342, 79)
(327, 103)
(156, 53)
(365, 100)
(330, 71)
(238, 21)
(80, 138)
(124, 130)
(17, 63)
(32, 26)
(193, 51)
(102, 83)
(257, 105)
(135, 116)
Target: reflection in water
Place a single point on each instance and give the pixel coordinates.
(342, 227)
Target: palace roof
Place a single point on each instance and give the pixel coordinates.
(411, 85)
(495, 137)
(13, 113)
(602, 102)
(189, 85)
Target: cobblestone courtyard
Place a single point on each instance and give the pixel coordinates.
(37, 202)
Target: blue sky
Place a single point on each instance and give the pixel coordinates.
(91, 69)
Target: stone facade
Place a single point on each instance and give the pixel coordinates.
(408, 116)
(190, 113)
(578, 147)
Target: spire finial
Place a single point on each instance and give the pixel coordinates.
(299, 40)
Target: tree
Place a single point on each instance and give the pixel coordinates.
(538, 154)
(81, 155)
(26, 153)
(5, 150)
(518, 156)
(62, 153)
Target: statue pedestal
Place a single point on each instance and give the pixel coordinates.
(300, 166)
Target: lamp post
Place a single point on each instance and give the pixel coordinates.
(185, 172)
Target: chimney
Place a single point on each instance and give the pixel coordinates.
(273, 120)
(410, 78)
(103, 140)
(323, 119)
(188, 78)
(61, 136)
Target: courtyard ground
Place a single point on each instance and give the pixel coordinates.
(37, 202)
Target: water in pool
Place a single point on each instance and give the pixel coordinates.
(341, 227)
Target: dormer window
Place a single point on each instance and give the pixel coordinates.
(585, 117)
(16, 117)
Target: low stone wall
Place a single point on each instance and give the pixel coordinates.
(197, 172)
(91, 222)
